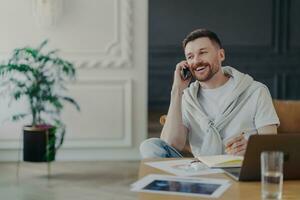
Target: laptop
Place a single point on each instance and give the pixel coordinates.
(289, 144)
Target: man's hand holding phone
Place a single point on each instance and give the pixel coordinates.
(182, 76)
(185, 73)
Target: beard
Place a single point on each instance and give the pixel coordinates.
(208, 73)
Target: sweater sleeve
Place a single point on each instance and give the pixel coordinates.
(265, 112)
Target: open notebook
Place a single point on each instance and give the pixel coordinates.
(222, 161)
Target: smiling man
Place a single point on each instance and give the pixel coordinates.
(218, 111)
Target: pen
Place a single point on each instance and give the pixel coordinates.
(245, 133)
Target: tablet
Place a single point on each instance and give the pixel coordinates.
(187, 186)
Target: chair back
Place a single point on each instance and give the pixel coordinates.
(288, 112)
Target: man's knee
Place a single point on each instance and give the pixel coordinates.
(153, 148)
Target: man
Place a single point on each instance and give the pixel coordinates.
(218, 111)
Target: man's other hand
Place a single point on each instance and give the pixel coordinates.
(236, 145)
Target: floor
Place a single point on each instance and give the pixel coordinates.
(107, 180)
(101, 180)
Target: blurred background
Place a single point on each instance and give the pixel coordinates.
(260, 38)
(106, 40)
(125, 52)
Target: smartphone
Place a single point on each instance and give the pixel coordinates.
(185, 73)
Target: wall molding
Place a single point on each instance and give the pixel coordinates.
(118, 53)
(124, 141)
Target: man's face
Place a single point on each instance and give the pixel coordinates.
(204, 58)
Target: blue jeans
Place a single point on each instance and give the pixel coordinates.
(157, 148)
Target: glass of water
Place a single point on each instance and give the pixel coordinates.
(271, 174)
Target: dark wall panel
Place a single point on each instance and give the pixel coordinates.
(238, 22)
(261, 38)
(295, 24)
(292, 86)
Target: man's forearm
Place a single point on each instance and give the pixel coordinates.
(174, 132)
(270, 129)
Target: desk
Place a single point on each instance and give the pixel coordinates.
(237, 190)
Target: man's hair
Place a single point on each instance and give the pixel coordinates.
(199, 33)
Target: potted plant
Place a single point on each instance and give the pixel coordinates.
(39, 79)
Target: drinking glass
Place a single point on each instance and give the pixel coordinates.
(271, 174)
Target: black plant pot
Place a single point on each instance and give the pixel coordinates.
(35, 143)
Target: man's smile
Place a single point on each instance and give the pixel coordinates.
(201, 68)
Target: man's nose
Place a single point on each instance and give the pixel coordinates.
(196, 61)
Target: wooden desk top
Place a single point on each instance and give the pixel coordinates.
(237, 190)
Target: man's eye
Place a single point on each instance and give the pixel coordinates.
(203, 52)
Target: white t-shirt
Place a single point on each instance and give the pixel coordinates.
(257, 112)
(211, 99)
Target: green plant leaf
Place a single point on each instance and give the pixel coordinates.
(53, 52)
(72, 101)
(42, 45)
(32, 52)
(54, 100)
(17, 95)
(42, 78)
(19, 117)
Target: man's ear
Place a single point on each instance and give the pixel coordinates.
(222, 54)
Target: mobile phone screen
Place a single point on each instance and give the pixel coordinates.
(185, 73)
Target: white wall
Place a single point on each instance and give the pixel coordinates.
(107, 41)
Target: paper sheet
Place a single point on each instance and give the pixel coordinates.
(184, 167)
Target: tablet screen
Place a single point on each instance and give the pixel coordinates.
(183, 187)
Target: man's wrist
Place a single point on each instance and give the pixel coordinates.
(176, 91)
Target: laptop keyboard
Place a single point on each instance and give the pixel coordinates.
(235, 171)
